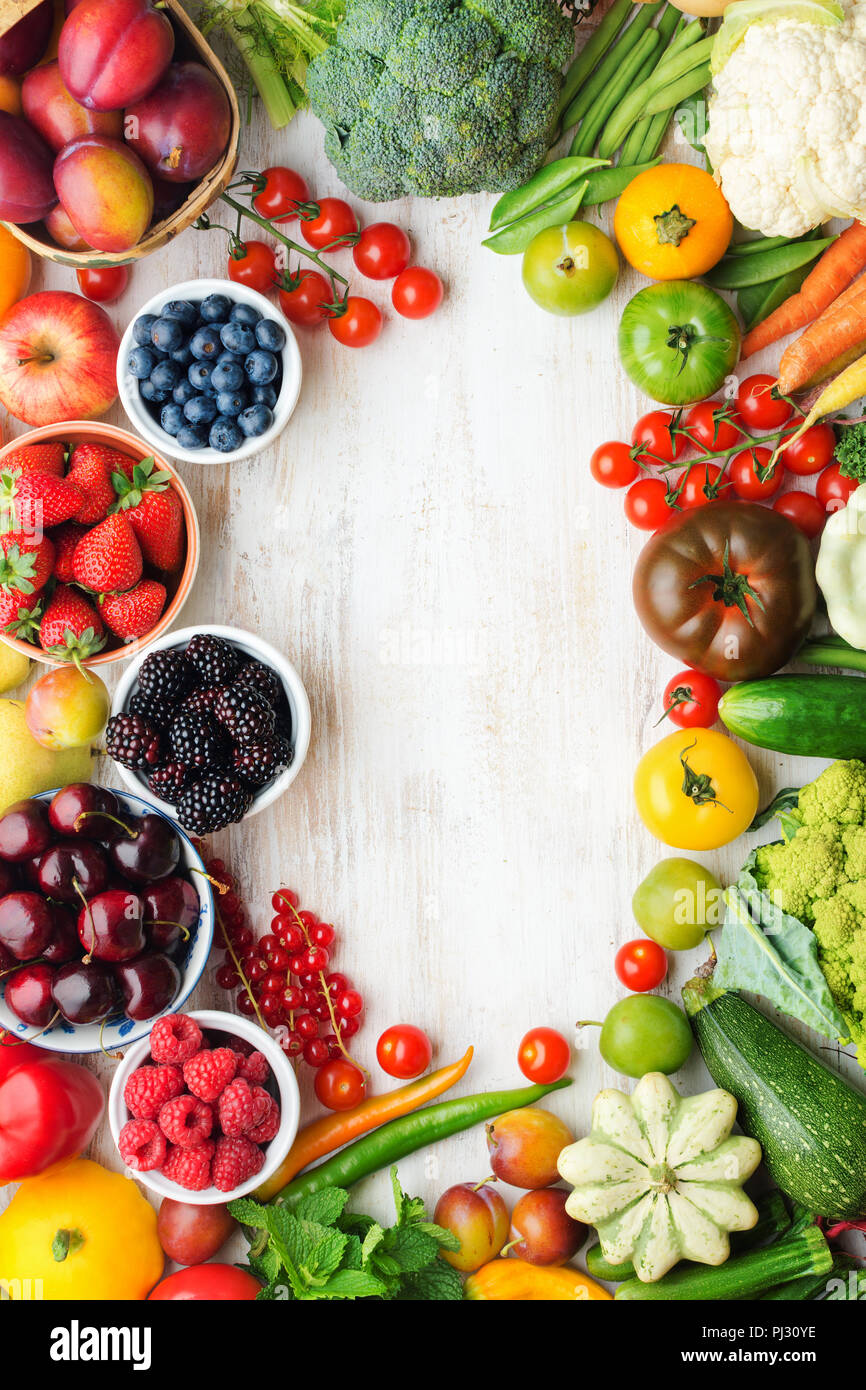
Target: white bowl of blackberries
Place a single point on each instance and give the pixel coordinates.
(106, 918)
(212, 724)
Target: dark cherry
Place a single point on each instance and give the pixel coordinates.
(151, 852)
(26, 924)
(171, 907)
(110, 926)
(28, 994)
(73, 868)
(8, 961)
(8, 879)
(85, 992)
(147, 985)
(76, 810)
(64, 944)
(25, 831)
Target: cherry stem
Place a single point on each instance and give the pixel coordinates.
(161, 922)
(588, 1023)
(484, 1181)
(115, 820)
(112, 1056)
(89, 956)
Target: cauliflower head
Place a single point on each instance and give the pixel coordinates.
(787, 124)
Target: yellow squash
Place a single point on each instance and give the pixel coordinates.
(517, 1281)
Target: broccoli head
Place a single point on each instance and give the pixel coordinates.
(440, 97)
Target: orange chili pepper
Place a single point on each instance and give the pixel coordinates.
(517, 1281)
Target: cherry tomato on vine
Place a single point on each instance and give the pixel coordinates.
(691, 700)
(256, 269)
(103, 284)
(703, 483)
(335, 226)
(404, 1051)
(359, 324)
(653, 430)
(744, 475)
(646, 504)
(304, 297)
(543, 1055)
(707, 431)
(284, 189)
(417, 292)
(340, 1085)
(640, 965)
(382, 251)
(612, 465)
(833, 490)
(811, 452)
(806, 512)
(757, 407)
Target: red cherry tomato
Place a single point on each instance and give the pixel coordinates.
(304, 299)
(646, 504)
(640, 965)
(806, 512)
(359, 325)
(103, 284)
(417, 292)
(691, 700)
(335, 226)
(543, 1055)
(703, 483)
(206, 1282)
(382, 251)
(745, 479)
(653, 430)
(710, 428)
(612, 464)
(404, 1051)
(757, 407)
(256, 269)
(340, 1085)
(811, 452)
(284, 189)
(833, 490)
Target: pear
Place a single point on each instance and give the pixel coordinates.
(26, 767)
(14, 668)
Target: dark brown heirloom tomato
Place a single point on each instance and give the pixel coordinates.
(729, 589)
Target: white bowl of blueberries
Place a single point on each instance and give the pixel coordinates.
(209, 372)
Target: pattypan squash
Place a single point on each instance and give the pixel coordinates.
(841, 568)
(660, 1176)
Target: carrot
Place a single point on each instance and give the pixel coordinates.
(838, 266)
(848, 386)
(333, 1131)
(829, 344)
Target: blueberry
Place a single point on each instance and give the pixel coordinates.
(264, 395)
(141, 329)
(183, 392)
(244, 313)
(201, 410)
(141, 362)
(270, 335)
(226, 356)
(165, 375)
(225, 435)
(182, 355)
(231, 402)
(205, 343)
(227, 376)
(171, 418)
(182, 310)
(260, 367)
(199, 375)
(215, 309)
(149, 392)
(255, 420)
(167, 335)
(189, 438)
(238, 337)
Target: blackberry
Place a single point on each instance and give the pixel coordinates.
(167, 675)
(201, 701)
(245, 712)
(194, 739)
(169, 781)
(218, 800)
(216, 661)
(258, 763)
(133, 742)
(261, 678)
(153, 708)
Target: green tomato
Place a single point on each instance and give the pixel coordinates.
(570, 269)
(677, 903)
(678, 341)
(645, 1033)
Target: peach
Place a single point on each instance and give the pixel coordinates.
(56, 114)
(478, 1217)
(542, 1232)
(106, 191)
(525, 1145)
(113, 52)
(61, 230)
(26, 187)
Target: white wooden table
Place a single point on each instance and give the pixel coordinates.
(426, 544)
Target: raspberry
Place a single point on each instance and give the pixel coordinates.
(237, 1109)
(234, 1161)
(209, 1072)
(255, 1068)
(190, 1168)
(175, 1038)
(142, 1145)
(186, 1121)
(148, 1088)
(265, 1130)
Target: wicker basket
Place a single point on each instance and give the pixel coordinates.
(190, 44)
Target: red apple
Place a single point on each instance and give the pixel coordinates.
(26, 186)
(58, 359)
(55, 113)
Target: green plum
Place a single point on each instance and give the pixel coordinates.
(645, 1033)
(677, 902)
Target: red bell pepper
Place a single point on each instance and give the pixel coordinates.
(49, 1109)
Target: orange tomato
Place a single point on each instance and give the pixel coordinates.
(14, 270)
(10, 95)
(673, 223)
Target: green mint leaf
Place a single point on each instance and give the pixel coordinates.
(271, 1293)
(266, 1266)
(250, 1213)
(438, 1283)
(350, 1283)
(446, 1240)
(325, 1207)
(356, 1223)
(409, 1209)
(372, 1240)
(352, 1256)
(326, 1255)
(293, 1245)
(410, 1248)
(399, 1194)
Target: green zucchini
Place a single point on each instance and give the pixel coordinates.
(810, 716)
(812, 1286)
(742, 1276)
(810, 1123)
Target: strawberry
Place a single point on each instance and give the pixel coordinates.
(91, 467)
(36, 458)
(65, 539)
(108, 558)
(34, 501)
(71, 628)
(154, 511)
(17, 619)
(26, 565)
(134, 613)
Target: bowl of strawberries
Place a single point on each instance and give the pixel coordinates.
(99, 544)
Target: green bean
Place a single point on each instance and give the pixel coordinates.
(631, 151)
(591, 53)
(605, 184)
(545, 184)
(740, 271)
(514, 238)
(662, 89)
(657, 129)
(640, 75)
(686, 86)
(592, 124)
(687, 34)
(609, 66)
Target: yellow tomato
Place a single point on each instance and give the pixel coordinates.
(10, 95)
(672, 222)
(696, 790)
(14, 270)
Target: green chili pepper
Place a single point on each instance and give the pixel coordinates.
(514, 238)
(543, 186)
(395, 1140)
(605, 184)
(592, 124)
(736, 272)
(608, 67)
(592, 52)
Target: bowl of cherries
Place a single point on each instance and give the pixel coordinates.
(106, 918)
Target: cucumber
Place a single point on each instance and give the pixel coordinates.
(810, 1123)
(812, 716)
(742, 1276)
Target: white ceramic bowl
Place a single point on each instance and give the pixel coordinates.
(215, 1020)
(119, 1030)
(256, 647)
(150, 429)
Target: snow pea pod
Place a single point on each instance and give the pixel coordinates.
(756, 302)
(592, 52)
(604, 184)
(736, 272)
(543, 186)
(760, 243)
(510, 240)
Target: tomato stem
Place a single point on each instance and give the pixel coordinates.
(698, 785)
